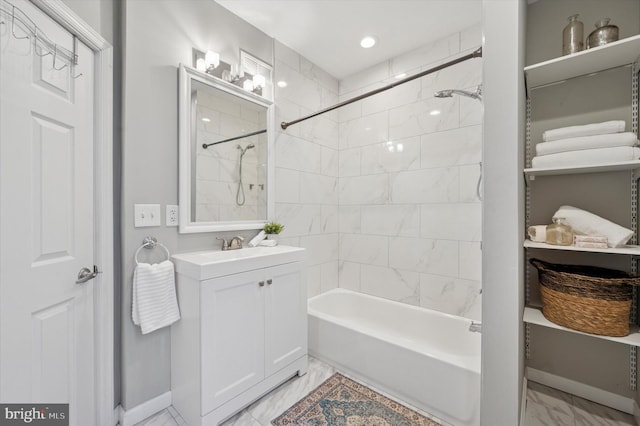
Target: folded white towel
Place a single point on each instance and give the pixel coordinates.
(587, 157)
(587, 142)
(268, 243)
(614, 126)
(584, 222)
(155, 304)
(256, 240)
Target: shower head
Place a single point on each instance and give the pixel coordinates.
(245, 149)
(450, 92)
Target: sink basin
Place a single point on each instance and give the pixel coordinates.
(202, 265)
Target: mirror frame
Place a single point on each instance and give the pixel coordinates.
(185, 76)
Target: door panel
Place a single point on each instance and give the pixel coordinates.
(232, 337)
(46, 222)
(286, 316)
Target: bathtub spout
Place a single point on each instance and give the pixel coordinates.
(476, 327)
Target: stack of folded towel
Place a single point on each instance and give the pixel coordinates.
(590, 144)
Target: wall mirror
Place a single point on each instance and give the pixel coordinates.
(227, 185)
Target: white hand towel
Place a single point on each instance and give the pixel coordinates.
(614, 126)
(256, 240)
(155, 304)
(268, 243)
(587, 223)
(587, 142)
(587, 157)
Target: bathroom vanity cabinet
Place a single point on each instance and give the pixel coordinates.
(566, 91)
(243, 329)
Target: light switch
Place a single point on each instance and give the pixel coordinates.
(146, 215)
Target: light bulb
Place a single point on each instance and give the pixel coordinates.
(200, 65)
(368, 42)
(248, 85)
(212, 59)
(259, 80)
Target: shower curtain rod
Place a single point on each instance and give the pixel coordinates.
(476, 54)
(207, 145)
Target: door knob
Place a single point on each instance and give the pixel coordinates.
(87, 274)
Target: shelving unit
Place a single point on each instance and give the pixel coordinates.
(545, 74)
(631, 250)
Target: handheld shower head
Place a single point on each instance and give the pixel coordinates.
(245, 149)
(477, 94)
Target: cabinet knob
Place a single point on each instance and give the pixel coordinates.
(261, 283)
(269, 281)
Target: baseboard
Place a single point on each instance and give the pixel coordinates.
(523, 402)
(582, 390)
(144, 410)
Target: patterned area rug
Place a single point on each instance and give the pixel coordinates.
(340, 401)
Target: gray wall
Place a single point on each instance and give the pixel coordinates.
(158, 35)
(502, 224)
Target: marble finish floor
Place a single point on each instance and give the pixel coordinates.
(270, 406)
(550, 407)
(545, 406)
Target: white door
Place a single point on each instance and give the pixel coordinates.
(285, 316)
(46, 220)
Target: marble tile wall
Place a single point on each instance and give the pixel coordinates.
(409, 216)
(306, 172)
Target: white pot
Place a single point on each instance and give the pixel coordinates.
(273, 237)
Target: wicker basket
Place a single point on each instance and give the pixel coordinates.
(586, 298)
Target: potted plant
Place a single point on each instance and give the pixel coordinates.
(272, 229)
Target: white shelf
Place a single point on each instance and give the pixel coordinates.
(630, 250)
(612, 55)
(600, 168)
(534, 316)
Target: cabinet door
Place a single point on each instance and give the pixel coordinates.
(232, 332)
(286, 316)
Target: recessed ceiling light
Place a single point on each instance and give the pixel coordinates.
(401, 75)
(206, 120)
(368, 42)
(282, 83)
(435, 112)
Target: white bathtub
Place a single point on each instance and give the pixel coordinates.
(429, 359)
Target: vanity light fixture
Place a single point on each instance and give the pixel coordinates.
(368, 42)
(248, 85)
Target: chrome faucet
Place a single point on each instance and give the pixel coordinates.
(476, 327)
(234, 244)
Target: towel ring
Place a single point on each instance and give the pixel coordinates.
(150, 243)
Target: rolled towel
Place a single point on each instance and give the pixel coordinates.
(587, 142)
(256, 240)
(584, 222)
(155, 304)
(614, 126)
(587, 157)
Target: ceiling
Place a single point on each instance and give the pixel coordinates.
(328, 32)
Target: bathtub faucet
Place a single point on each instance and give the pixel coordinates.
(476, 327)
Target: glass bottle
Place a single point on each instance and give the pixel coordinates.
(603, 34)
(572, 36)
(559, 233)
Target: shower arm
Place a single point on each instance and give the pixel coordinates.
(475, 54)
